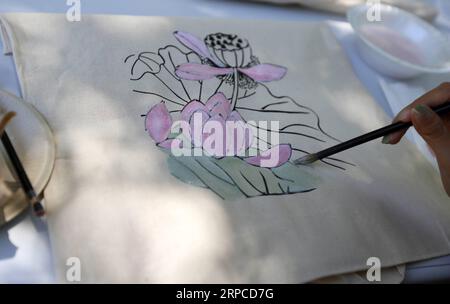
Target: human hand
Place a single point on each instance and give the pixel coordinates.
(435, 130)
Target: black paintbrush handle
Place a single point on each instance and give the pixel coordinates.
(16, 163)
(21, 174)
(440, 110)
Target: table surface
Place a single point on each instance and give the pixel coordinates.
(25, 250)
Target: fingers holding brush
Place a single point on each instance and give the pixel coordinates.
(433, 98)
(434, 131)
(434, 128)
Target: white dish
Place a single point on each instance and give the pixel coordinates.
(418, 7)
(400, 45)
(33, 140)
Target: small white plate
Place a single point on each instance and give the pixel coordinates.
(400, 45)
(34, 143)
(418, 7)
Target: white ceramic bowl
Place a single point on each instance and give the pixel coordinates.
(400, 45)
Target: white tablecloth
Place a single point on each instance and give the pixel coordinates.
(25, 254)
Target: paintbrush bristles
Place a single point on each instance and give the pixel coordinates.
(306, 160)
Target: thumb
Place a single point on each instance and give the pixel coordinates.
(432, 128)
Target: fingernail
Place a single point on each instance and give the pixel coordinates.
(386, 140)
(422, 110)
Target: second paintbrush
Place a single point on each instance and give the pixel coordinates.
(19, 171)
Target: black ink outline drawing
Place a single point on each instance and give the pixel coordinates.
(228, 60)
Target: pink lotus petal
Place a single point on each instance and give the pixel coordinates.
(235, 116)
(243, 130)
(238, 138)
(272, 158)
(218, 104)
(192, 107)
(196, 123)
(158, 122)
(264, 72)
(195, 44)
(243, 134)
(215, 124)
(169, 143)
(197, 71)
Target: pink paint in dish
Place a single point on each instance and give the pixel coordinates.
(394, 43)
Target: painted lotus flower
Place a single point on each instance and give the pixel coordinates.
(227, 56)
(217, 81)
(217, 110)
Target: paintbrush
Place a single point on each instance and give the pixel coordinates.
(398, 126)
(20, 172)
